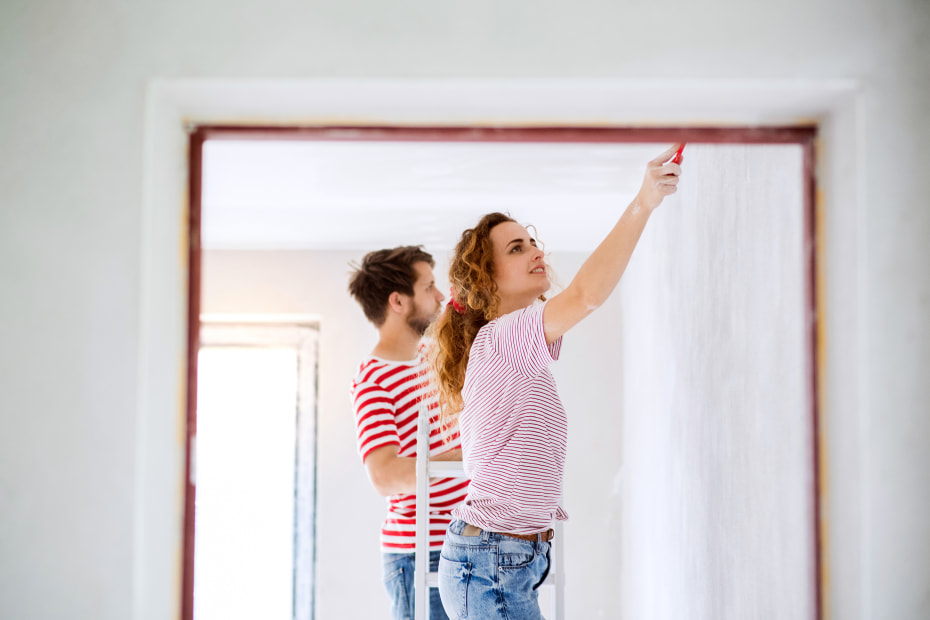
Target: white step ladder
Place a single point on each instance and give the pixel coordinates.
(423, 579)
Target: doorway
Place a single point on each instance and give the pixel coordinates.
(803, 138)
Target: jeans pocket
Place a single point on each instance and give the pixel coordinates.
(453, 587)
(395, 584)
(518, 583)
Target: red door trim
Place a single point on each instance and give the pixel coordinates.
(811, 246)
(805, 136)
(711, 135)
(195, 176)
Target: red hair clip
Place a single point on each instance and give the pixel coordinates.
(455, 305)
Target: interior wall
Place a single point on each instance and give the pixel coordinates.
(349, 512)
(718, 484)
(74, 79)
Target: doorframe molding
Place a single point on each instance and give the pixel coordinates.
(176, 108)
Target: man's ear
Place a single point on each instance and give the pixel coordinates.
(397, 302)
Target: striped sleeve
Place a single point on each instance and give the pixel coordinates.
(386, 396)
(375, 422)
(519, 338)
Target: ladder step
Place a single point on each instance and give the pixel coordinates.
(446, 469)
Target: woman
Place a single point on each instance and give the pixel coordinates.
(494, 343)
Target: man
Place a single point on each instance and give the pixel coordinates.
(398, 294)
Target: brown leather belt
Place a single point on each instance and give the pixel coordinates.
(546, 536)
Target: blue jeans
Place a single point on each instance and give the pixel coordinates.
(491, 575)
(398, 581)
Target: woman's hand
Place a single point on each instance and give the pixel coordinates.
(661, 180)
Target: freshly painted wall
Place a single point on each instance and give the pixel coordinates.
(718, 481)
(73, 97)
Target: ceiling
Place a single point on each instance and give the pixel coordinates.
(319, 195)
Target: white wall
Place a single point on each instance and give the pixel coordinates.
(349, 512)
(73, 81)
(718, 486)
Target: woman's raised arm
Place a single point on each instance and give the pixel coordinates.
(601, 272)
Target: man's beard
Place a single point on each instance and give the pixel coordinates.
(419, 324)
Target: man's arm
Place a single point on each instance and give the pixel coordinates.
(391, 474)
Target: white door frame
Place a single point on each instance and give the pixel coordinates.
(172, 106)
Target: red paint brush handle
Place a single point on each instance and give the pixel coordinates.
(677, 158)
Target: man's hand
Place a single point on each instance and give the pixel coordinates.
(391, 474)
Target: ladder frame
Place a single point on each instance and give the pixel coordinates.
(423, 579)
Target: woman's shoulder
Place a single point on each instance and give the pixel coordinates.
(514, 324)
(530, 313)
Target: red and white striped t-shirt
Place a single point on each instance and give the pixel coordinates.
(386, 396)
(513, 427)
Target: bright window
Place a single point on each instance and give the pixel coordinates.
(252, 519)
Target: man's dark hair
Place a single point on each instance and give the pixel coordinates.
(383, 272)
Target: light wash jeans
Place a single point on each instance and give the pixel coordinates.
(491, 575)
(398, 581)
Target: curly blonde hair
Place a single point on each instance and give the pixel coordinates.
(474, 303)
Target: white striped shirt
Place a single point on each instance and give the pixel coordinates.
(513, 427)
(386, 396)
